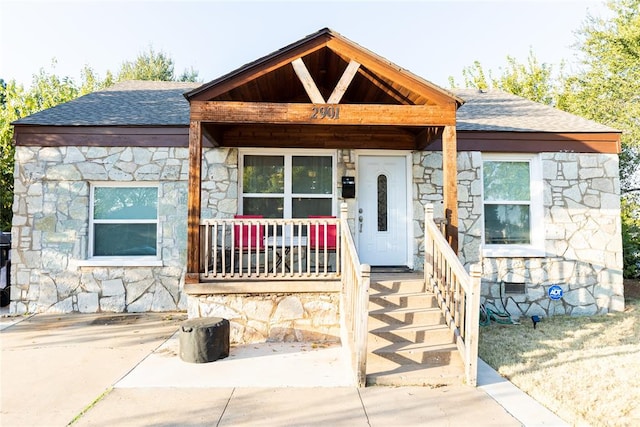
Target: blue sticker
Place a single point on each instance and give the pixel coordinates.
(555, 292)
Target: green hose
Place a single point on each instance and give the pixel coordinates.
(500, 317)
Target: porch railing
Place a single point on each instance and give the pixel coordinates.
(457, 292)
(354, 310)
(260, 248)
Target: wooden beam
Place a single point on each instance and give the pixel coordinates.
(450, 184)
(193, 202)
(312, 114)
(307, 81)
(343, 83)
(384, 86)
(383, 67)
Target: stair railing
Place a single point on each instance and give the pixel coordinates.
(457, 293)
(354, 309)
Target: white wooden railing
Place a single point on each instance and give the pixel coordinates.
(457, 292)
(354, 308)
(260, 248)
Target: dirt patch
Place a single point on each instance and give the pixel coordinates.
(632, 288)
(117, 319)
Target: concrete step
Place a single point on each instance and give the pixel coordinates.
(396, 300)
(405, 285)
(382, 371)
(407, 316)
(383, 334)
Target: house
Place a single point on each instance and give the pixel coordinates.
(125, 198)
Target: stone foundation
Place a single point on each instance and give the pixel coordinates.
(273, 317)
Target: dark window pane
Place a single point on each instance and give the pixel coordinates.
(125, 203)
(303, 207)
(311, 175)
(263, 174)
(382, 203)
(507, 224)
(124, 239)
(269, 207)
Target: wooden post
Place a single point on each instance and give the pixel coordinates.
(450, 184)
(193, 202)
(473, 325)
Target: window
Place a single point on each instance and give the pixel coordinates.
(124, 221)
(287, 185)
(512, 206)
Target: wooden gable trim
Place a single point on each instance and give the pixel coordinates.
(257, 69)
(351, 51)
(311, 114)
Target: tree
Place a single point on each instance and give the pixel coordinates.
(532, 80)
(607, 89)
(152, 65)
(48, 90)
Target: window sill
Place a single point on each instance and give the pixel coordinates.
(121, 262)
(513, 251)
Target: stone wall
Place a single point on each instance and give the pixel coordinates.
(273, 317)
(582, 234)
(50, 230)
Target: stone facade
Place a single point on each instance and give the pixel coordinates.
(273, 317)
(51, 217)
(582, 234)
(50, 230)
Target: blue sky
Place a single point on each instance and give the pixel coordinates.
(434, 39)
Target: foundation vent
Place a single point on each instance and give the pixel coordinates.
(514, 288)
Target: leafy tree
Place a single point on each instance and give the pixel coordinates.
(152, 65)
(532, 80)
(48, 90)
(607, 88)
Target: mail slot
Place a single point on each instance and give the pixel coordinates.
(348, 187)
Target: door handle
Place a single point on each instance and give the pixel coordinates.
(360, 219)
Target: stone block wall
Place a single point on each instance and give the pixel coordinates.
(583, 240)
(51, 222)
(273, 317)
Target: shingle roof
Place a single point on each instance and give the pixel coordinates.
(145, 103)
(499, 111)
(130, 103)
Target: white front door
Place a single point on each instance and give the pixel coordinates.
(381, 217)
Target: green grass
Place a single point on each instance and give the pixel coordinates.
(585, 369)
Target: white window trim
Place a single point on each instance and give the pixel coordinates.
(124, 261)
(288, 194)
(537, 246)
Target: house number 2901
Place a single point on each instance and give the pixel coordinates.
(319, 113)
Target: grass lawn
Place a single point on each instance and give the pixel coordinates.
(585, 369)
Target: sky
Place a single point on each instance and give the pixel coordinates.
(433, 39)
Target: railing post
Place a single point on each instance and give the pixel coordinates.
(344, 228)
(473, 325)
(428, 245)
(362, 324)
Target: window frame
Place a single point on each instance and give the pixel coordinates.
(536, 247)
(288, 195)
(122, 260)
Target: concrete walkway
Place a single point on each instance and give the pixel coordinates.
(124, 370)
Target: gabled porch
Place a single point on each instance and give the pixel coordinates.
(299, 124)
